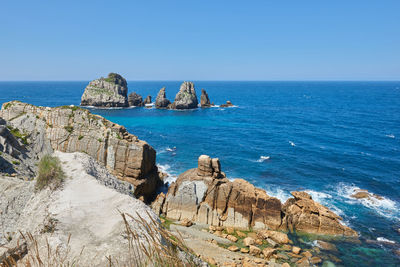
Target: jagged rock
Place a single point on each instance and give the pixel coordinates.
(147, 100)
(106, 92)
(161, 100)
(305, 215)
(204, 100)
(186, 98)
(73, 129)
(228, 104)
(8, 143)
(254, 250)
(268, 252)
(135, 99)
(214, 200)
(206, 196)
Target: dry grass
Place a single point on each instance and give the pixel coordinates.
(50, 173)
(149, 244)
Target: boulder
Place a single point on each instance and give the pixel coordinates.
(106, 92)
(186, 98)
(204, 100)
(73, 129)
(303, 214)
(278, 237)
(254, 250)
(186, 222)
(206, 196)
(161, 100)
(268, 252)
(147, 100)
(135, 100)
(248, 241)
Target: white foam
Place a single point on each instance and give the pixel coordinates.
(166, 169)
(171, 149)
(390, 136)
(384, 240)
(263, 158)
(383, 206)
(291, 143)
(325, 199)
(279, 193)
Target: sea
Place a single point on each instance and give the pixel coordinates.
(327, 138)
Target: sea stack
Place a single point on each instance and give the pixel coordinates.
(147, 100)
(106, 92)
(161, 100)
(204, 100)
(135, 100)
(186, 98)
(227, 105)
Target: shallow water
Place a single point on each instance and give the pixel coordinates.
(324, 137)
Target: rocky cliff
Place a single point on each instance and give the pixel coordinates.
(73, 129)
(135, 99)
(186, 98)
(204, 100)
(205, 195)
(106, 92)
(161, 100)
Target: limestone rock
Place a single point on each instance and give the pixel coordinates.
(147, 100)
(73, 129)
(232, 238)
(135, 99)
(186, 98)
(204, 100)
(233, 248)
(106, 92)
(296, 250)
(202, 197)
(268, 252)
(278, 237)
(305, 215)
(248, 241)
(186, 222)
(161, 100)
(254, 250)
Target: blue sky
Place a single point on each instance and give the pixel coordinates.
(200, 40)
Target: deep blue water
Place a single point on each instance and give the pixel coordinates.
(324, 137)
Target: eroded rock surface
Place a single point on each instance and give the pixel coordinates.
(206, 196)
(204, 100)
(106, 92)
(186, 98)
(72, 129)
(161, 100)
(135, 100)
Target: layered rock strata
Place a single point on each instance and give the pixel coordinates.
(204, 100)
(73, 129)
(186, 98)
(135, 100)
(106, 92)
(161, 100)
(205, 195)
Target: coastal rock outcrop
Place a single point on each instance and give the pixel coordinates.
(227, 104)
(147, 100)
(161, 100)
(205, 195)
(73, 129)
(303, 214)
(135, 100)
(204, 100)
(186, 98)
(106, 92)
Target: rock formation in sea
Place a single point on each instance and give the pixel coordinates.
(106, 92)
(186, 98)
(135, 100)
(227, 104)
(204, 100)
(147, 100)
(205, 195)
(73, 129)
(161, 100)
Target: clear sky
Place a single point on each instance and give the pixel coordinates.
(200, 40)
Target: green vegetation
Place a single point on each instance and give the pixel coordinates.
(73, 108)
(100, 140)
(80, 137)
(37, 117)
(69, 128)
(21, 136)
(50, 173)
(15, 162)
(9, 104)
(119, 137)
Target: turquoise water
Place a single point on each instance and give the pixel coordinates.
(324, 137)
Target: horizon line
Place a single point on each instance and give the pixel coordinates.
(356, 80)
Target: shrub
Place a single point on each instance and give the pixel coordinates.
(50, 173)
(80, 137)
(69, 128)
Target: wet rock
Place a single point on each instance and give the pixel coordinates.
(186, 98)
(305, 215)
(325, 245)
(135, 100)
(204, 100)
(147, 101)
(161, 100)
(227, 104)
(106, 92)
(315, 260)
